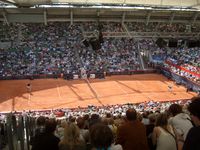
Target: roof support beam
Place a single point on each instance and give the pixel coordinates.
(148, 17)
(71, 17)
(194, 18)
(172, 18)
(123, 17)
(98, 15)
(161, 2)
(8, 1)
(45, 17)
(124, 2)
(5, 18)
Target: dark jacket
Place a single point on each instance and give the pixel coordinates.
(46, 142)
(192, 141)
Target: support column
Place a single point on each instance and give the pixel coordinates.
(123, 17)
(172, 18)
(194, 18)
(45, 17)
(148, 17)
(5, 18)
(71, 17)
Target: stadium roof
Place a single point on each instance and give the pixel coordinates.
(170, 4)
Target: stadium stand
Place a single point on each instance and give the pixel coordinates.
(99, 39)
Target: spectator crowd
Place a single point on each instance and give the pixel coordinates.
(57, 48)
(148, 126)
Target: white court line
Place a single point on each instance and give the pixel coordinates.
(58, 90)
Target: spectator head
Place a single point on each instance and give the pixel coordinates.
(41, 121)
(94, 116)
(86, 117)
(162, 119)
(72, 119)
(108, 115)
(71, 133)
(145, 114)
(86, 120)
(152, 118)
(194, 109)
(80, 123)
(50, 125)
(94, 119)
(131, 114)
(101, 136)
(175, 109)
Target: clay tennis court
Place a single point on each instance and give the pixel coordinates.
(60, 93)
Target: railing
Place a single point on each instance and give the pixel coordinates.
(106, 34)
(145, 34)
(38, 76)
(70, 75)
(165, 34)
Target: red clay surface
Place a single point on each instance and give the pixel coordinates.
(60, 93)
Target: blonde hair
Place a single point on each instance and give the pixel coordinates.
(71, 135)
